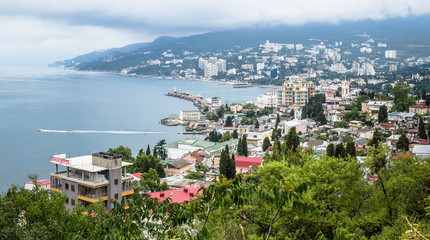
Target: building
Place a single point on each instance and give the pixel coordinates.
(181, 195)
(267, 100)
(176, 166)
(42, 184)
(420, 109)
(372, 107)
(297, 92)
(247, 164)
(391, 54)
(345, 89)
(214, 102)
(210, 70)
(421, 151)
(190, 115)
(273, 73)
(90, 178)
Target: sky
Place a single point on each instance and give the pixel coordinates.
(44, 31)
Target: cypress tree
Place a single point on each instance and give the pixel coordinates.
(224, 162)
(154, 152)
(145, 164)
(382, 114)
(148, 150)
(350, 149)
(232, 167)
(276, 151)
(160, 170)
(245, 146)
(240, 148)
(339, 151)
(403, 143)
(330, 150)
(292, 140)
(377, 137)
(257, 125)
(421, 129)
(234, 135)
(266, 143)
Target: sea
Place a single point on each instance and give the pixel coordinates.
(88, 112)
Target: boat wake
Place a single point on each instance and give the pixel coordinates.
(95, 131)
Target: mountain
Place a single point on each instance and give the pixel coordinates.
(397, 32)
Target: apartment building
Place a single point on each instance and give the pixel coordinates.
(87, 179)
(296, 92)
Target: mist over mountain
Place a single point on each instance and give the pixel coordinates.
(397, 32)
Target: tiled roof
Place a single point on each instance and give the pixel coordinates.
(180, 163)
(245, 162)
(180, 195)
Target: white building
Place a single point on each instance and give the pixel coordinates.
(391, 54)
(210, 70)
(299, 47)
(202, 63)
(190, 115)
(269, 100)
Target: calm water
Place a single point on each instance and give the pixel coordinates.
(42, 98)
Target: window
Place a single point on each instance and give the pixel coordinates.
(72, 187)
(116, 181)
(116, 196)
(67, 186)
(67, 200)
(73, 202)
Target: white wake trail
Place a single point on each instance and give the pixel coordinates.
(96, 131)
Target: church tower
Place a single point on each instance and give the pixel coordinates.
(345, 89)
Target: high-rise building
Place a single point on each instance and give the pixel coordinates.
(210, 70)
(273, 73)
(391, 54)
(91, 178)
(267, 100)
(296, 92)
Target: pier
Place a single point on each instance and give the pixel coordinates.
(198, 101)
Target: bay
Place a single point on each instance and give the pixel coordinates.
(33, 98)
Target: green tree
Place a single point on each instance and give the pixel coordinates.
(195, 176)
(225, 137)
(266, 144)
(330, 150)
(161, 149)
(124, 151)
(232, 167)
(149, 182)
(228, 122)
(403, 143)
(350, 149)
(240, 148)
(257, 125)
(244, 146)
(383, 114)
(377, 138)
(321, 118)
(148, 150)
(400, 93)
(347, 139)
(342, 124)
(421, 129)
(292, 140)
(234, 135)
(340, 151)
(224, 162)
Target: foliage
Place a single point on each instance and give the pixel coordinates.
(330, 150)
(266, 144)
(292, 140)
(228, 122)
(342, 124)
(421, 129)
(383, 114)
(227, 164)
(161, 149)
(339, 151)
(314, 108)
(235, 135)
(195, 175)
(244, 146)
(377, 138)
(149, 182)
(403, 143)
(350, 149)
(124, 151)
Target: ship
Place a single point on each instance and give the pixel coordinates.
(241, 85)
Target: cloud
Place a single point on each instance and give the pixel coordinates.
(67, 28)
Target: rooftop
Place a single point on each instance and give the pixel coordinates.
(180, 195)
(84, 163)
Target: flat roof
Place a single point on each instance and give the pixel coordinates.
(84, 163)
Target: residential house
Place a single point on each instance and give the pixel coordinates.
(247, 164)
(176, 166)
(420, 108)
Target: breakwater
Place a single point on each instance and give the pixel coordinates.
(197, 101)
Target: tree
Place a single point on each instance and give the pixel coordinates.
(148, 150)
(213, 136)
(161, 149)
(234, 135)
(421, 129)
(292, 140)
(403, 143)
(350, 149)
(383, 114)
(149, 182)
(124, 151)
(347, 139)
(257, 125)
(245, 146)
(240, 148)
(224, 162)
(330, 150)
(321, 118)
(424, 95)
(225, 137)
(266, 144)
(401, 92)
(340, 151)
(228, 122)
(232, 167)
(377, 137)
(341, 124)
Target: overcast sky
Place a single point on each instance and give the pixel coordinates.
(38, 32)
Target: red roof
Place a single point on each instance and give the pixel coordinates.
(138, 175)
(421, 105)
(42, 182)
(246, 162)
(387, 125)
(180, 195)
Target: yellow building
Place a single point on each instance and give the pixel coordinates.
(296, 92)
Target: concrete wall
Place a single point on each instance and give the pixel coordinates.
(114, 174)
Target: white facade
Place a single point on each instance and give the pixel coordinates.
(210, 70)
(269, 100)
(190, 115)
(391, 54)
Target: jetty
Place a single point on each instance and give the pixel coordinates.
(197, 100)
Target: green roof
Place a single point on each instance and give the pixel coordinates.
(222, 145)
(172, 145)
(203, 143)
